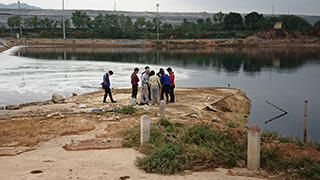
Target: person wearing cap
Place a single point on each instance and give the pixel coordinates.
(107, 89)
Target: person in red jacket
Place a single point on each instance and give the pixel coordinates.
(172, 85)
(134, 82)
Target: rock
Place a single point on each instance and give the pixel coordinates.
(74, 94)
(195, 116)
(83, 106)
(55, 114)
(216, 120)
(13, 107)
(113, 118)
(2, 108)
(57, 99)
(133, 102)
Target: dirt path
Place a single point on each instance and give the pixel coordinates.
(56, 163)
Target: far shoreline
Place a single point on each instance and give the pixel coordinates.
(251, 41)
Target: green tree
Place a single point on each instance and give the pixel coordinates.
(208, 24)
(34, 22)
(81, 20)
(46, 23)
(252, 20)
(167, 27)
(233, 21)
(317, 24)
(14, 22)
(219, 17)
(295, 23)
(140, 24)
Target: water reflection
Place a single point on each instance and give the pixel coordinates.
(251, 60)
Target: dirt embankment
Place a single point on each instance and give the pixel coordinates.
(252, 41)
(23, 129)
(69, 140)
(8, 43)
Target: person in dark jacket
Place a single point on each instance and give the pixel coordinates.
(165, 81)
(107, 89)
(172, 85)
(134, 83)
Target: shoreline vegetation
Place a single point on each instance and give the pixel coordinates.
(191, 138)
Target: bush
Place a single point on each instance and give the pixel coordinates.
(270, 157)
(127, 110)
(222, 147)
(270, 135)
(167, 159)
(131, 137)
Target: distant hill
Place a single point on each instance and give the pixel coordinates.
(16, 6)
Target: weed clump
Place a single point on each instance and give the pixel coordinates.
(166, 159)
(127, 110)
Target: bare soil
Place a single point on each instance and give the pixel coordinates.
(66, 141)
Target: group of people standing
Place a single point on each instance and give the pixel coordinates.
(152, 86)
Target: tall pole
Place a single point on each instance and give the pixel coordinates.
(63, 21)
(273, 9)
(20, 19)
(157, 21)
(305, 128)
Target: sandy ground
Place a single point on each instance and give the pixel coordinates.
(57, 163)
(35, 136)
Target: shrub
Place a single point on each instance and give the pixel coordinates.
(270, 157)
(127, 110)
(270, 135)
(167, 159)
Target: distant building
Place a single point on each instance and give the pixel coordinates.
(277, 25)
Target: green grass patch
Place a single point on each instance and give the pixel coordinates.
(232, 125)
(174, 148)
(127, 110)
(269, 158)
(270, 135)
(166, 159)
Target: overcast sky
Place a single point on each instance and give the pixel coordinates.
(308, 7)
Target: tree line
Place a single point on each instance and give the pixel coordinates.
(113, 26)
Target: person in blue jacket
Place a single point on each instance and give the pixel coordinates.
(107, 89)
(165, 82)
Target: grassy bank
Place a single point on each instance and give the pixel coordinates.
(174, 148)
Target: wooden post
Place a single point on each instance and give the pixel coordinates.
(254, 147)
(305, 129)
(144, 129)
(162, 109)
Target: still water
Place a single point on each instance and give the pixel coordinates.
(283, 76)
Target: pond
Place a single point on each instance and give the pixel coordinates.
(283, 76)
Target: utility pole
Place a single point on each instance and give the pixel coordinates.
(20, 19)
(273, 9)
(63, 21)
(115, 6)
(157, 21)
